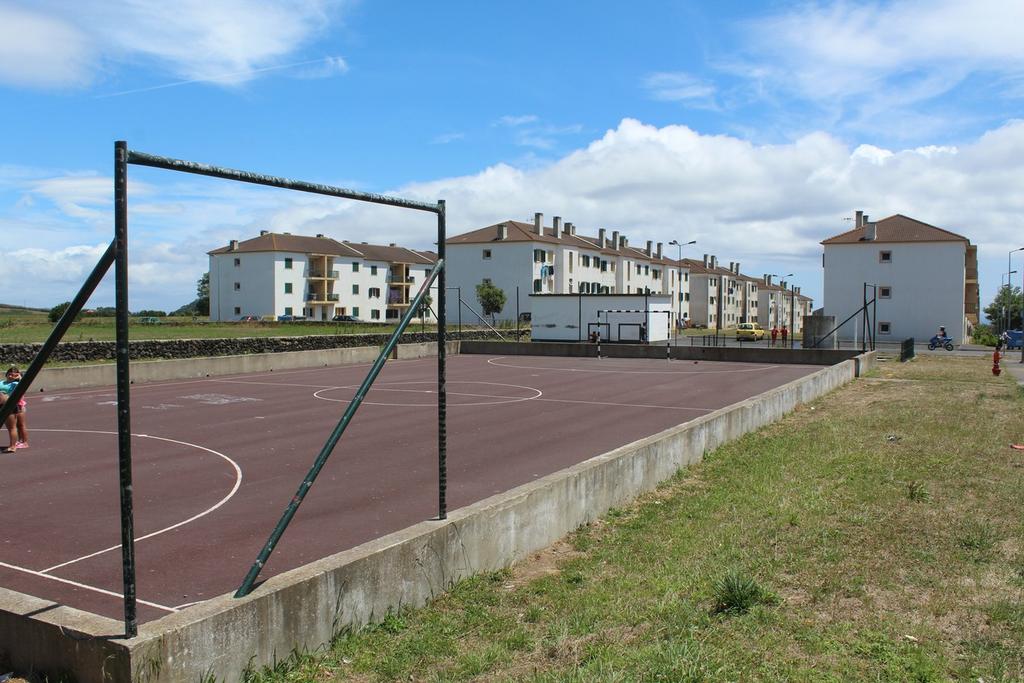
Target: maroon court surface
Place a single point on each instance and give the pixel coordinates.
(216, 460)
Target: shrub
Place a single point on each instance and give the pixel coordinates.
(983, 335)
(737, 593)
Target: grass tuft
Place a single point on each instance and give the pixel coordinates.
(917, 491)
(978, 538)
(737, 593)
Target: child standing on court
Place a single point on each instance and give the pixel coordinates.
(16, 424)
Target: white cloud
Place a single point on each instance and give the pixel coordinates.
(41, 51)
(767, 206)
(446, 138)
(54, 43)
(514, 121)
(678, 87)
(876, 63)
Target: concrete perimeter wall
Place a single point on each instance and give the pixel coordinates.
(304, 608)
(731, 354)
(53, 379)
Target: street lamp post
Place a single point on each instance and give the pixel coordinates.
(1007, 307)
(679, 281)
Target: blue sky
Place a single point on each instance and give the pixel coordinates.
(755, 128)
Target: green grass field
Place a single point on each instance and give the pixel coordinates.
(873, 535)
(21, 326)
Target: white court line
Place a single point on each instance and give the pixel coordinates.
(506, 399)
(629, 371)
(231, 493)
(85, 586)
(625, 405)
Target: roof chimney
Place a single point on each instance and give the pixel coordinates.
(264, 232)
(538, 223)
(858, 219)
(714, 261)
(737, 271)
(572, 231)
(570, 228)
(615, 239)
(650, 248)
(600, 238)
(705, 260)
(502, 231)
(233, 245)
(659, 249)
(556, 223)
(870, 231)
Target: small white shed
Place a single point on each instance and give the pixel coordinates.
(630, 318)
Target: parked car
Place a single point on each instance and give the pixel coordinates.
(749, 332)
(249, 319)
(149, 320)
(290, 318)
(345, 319)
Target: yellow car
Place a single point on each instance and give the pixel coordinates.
(749, 332)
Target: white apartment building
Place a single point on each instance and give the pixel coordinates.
(720, 297)
(539, 259)
(924, 277)
(315, 277)
(780, 304)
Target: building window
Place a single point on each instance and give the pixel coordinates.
(287, 264)
(647, 270)
(355, 311)
(238, 286)
(373, 270)
(656, 274)
(885, 292)
(355, 266)
(487, 253)
(885, 257)
(604, 266)
(238, 310)
(373, 292)
(884, 328)
(585, 261)
(538, 256)
(638, 269)
(355, 289)
(374, 314)
(570, 261)
(536, 285)
(287, 288)
(287, 310)
(238, 262)
(686, 276)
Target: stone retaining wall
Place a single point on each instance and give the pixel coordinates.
(77, 352)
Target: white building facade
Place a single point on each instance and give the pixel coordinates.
(315, 278)
(538, 259)
(923, 277)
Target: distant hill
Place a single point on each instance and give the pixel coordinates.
(24, 308)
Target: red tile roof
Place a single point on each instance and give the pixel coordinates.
(898, 228)
(302, 244)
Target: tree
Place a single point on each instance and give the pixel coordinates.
(425, 305)
(203, 294)
(491, 298)
(57, 311)
(1008, 300)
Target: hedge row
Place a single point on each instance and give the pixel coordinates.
(77, 352)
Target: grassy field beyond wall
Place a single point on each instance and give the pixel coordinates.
(873, 535)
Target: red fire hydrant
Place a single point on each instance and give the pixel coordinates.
(995, 363)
